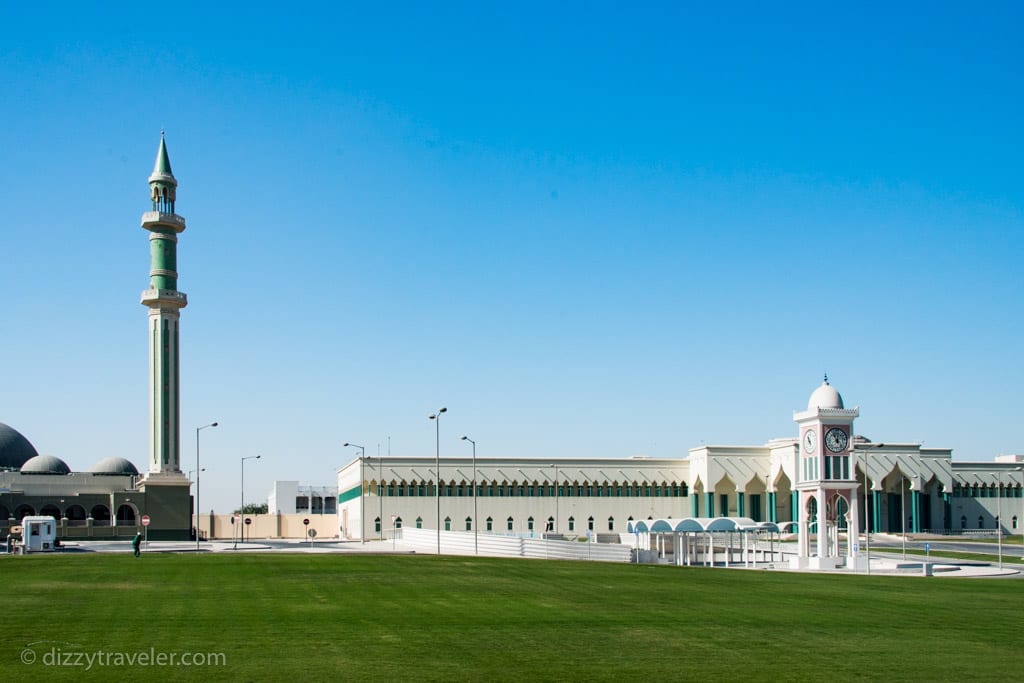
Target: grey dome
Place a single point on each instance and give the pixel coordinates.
(118, 466)
(45, 464)
(15, 449)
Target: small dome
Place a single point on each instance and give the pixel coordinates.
(118, 466)
(15, 449)
(45, 464)
(825, 396)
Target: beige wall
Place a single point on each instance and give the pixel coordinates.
(270, 526)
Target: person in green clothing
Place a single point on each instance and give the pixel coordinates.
(135, 544)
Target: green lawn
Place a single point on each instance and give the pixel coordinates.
(350, 617)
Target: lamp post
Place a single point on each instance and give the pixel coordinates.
(476, 528)
(1020, 520)
(999, 514)
(436, 417)
(867, 517)
(241, 511)
(198, 470)
(557, 487)
(362, 498)
(903, 509)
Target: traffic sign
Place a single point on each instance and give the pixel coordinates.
(145, 520)
(306, 521)
(248, 521)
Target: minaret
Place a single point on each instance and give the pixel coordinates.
(164, 302)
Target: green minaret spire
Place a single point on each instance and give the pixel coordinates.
(165, 303)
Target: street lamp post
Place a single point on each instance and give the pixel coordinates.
(867, 517)
(476, 529)
(241, 511)
(1020, 520)
(557, 487)
(436, 417)
(999, 514)
(362, 498)
(198, 470)
(903, 510)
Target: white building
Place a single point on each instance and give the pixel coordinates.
(909, 487)
(289, 498)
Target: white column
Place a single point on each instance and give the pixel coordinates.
(823, 549)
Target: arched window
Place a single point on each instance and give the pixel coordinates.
(469, 523)
(510, 524)
(590, 523)
(963, 521)
(529, 524)
(1015, 521)
(52, 510)
(490, 524)
(572, 524)
(376, 525)
(419, 522)
(100, 515)
(981, 522)
(551, 524)
(447, 523)
(611, 524)
(398, 522)
(126, 515)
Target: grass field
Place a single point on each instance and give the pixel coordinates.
(362, 617)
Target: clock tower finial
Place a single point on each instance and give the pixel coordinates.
(826, 378)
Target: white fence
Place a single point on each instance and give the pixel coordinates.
(462, 543)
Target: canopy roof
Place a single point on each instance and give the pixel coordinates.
(701, 524)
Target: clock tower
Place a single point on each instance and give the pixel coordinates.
(826, 483)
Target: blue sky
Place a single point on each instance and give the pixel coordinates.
(586, 229)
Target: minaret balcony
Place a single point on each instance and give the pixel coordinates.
(155, 219)
(157, 298)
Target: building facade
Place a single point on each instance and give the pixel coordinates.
(786, 481)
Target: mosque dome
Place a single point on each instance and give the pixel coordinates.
(116, 466)
(15, 449)
(45, 464)
(825, 396)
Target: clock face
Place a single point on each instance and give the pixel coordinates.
(810, 441)
(836, 440)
